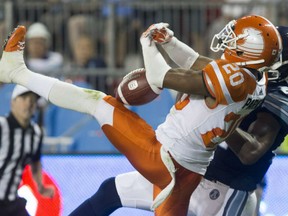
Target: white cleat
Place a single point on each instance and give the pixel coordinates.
(12, 61)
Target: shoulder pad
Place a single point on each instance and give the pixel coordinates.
(228, 82)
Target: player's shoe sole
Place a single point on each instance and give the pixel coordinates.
(12, 59)
(15, 40)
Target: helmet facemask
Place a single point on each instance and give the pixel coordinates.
(226, 38)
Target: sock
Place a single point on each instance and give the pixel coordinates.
(60, 93)
(72, 97)
(105, 201)
(37, 83)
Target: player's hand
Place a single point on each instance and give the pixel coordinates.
(47, 191)
(159, 33)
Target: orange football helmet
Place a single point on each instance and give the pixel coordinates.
(251, 41)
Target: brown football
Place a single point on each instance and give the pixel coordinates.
(135, 90)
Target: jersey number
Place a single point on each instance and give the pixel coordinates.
(216, 135)
(237, 77)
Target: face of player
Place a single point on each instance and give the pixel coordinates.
(23, 107)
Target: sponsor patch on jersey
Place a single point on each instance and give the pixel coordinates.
(214, 194)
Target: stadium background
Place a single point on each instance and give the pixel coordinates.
(76, 153)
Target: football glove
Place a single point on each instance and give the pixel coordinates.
(159, 33)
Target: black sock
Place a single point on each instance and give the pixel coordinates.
(105, 201)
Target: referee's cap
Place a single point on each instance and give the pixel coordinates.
(19, 90)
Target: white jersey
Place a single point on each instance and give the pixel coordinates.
(192, 130)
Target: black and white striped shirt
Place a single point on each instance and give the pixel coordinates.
(18, 147)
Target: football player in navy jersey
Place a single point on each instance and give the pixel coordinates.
(232, 176)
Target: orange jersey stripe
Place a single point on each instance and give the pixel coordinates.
(228, 82)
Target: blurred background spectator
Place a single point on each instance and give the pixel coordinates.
(84, 56)
(39, 57)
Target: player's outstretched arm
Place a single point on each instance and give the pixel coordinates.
(185, 81)
(182, 54)
(250, 146)
(160, 74)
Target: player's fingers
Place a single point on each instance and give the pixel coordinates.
(166, 25)
(160, 25)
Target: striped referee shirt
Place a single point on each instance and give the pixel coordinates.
(18, 147)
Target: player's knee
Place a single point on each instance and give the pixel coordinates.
(107, 187)
(106, 195)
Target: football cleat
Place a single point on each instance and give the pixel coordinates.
(15, 40)
(12, 60)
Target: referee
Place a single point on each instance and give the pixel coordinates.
(20, 144)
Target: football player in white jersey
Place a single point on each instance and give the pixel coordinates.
(175, 156)
(134, 191)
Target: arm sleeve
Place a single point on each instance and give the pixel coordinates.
(180, 53)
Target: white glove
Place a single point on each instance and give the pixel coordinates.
(155, 65)
(159, 33)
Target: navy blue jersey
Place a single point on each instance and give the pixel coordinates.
(228, 169)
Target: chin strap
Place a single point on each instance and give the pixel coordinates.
(273, 70)
(250, 62)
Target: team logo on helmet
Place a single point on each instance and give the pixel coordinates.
(253, 43)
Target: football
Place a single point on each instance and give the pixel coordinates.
(135, 90)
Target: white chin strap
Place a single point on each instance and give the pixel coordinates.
(246, 62)
(250, 62)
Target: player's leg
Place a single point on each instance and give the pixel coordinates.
(251, 205)
(178, 201)
(134, 190)
(102, 203)
(131, 135)
(13, 69)
(125, 190)
(144, 154)
(234, 203)
(259, 193)
(134, 138)
(207, 199)
(130, 190)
